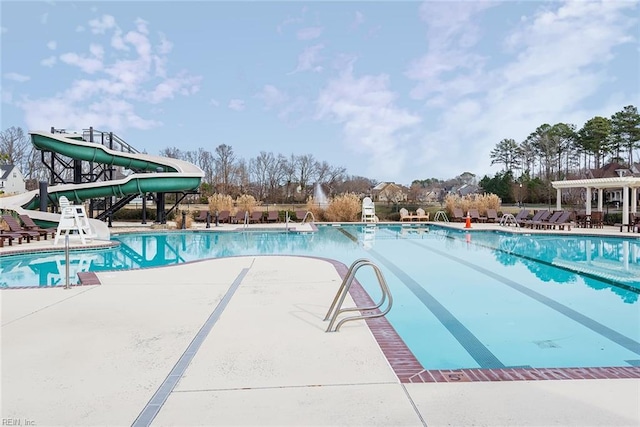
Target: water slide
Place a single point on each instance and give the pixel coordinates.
(165, 175)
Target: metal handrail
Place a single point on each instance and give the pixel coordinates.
(313, 218)
(336, 306)
(441, 216)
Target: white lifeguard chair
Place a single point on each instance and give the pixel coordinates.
(73, 222)
(368, 210)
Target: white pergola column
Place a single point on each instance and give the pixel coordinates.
(599, 199)
(558, 199)
(587, 207)
(625, 205)
(634, 200)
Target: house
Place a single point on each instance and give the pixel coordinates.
(11, 180)
(389, 192)
(613, 170)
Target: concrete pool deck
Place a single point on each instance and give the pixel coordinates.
(241, 341)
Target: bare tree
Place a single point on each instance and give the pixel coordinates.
(306, 170)
(224, 166)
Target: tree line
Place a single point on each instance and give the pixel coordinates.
(562, 151)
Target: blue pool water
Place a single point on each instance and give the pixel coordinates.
(462, 300)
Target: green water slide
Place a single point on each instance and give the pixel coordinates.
(152, 174)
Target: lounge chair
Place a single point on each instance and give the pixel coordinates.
(256, 217)
(458, 215)
(202, 216)
(492, 215)
(15, 227)
(547, 224)
(563, 220)
(32, 226)
(273, 216)
(300, 214)
(521, 217)
(239, 217)
(537, 219)
(421, 215)
(10, 237)
(224, 216)
(475, 216)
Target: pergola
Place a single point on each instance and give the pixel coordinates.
(624, 182)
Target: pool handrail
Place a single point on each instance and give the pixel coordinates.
(336, 306)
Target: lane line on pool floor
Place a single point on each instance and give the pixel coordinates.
(152, 408)
(580, 318)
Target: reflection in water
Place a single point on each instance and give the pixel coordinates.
(602, 262)
(49, 270)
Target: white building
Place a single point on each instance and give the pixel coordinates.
(11, 180)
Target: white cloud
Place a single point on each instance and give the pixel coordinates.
(16, 77)
(309, 59)
(85, 63)
(49, 62)
(100, 26)
(236, 104)
(117, 81)
(52, 45)
(309, 33)
(553, 61)
(373, 125)
(272, 96)
(358, 20)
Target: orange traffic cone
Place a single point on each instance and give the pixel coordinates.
(468, 223)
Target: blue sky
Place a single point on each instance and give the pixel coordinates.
(393, 91)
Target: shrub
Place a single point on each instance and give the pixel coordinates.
(482, 202)
(246, 202)
(345, 207)
(189, 220)
(220, 202)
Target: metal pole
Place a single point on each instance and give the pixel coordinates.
(66, 262)
(208, 219)
(184, 220)
(217, 217)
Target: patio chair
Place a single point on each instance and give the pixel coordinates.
(492, 215)
(10, 237)
(475, 216)
(273, 216)
(15, 227)
(256, 217)
(521, 217)
(300, 214)
(562, 221)
(202, 216)
(548, 223)
(596, 220)
(32, 226)
(405, 216)
(224, 216)
(458, 215)
(538, 218)
(239, 217)
(421, 215)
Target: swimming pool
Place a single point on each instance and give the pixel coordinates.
(462, 300)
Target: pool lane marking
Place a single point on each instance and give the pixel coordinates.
(152, 408)
(481, 354)
(585, 321)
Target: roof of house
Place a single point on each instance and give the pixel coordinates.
(5, 170)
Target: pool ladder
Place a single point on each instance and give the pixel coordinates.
(336, 306)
